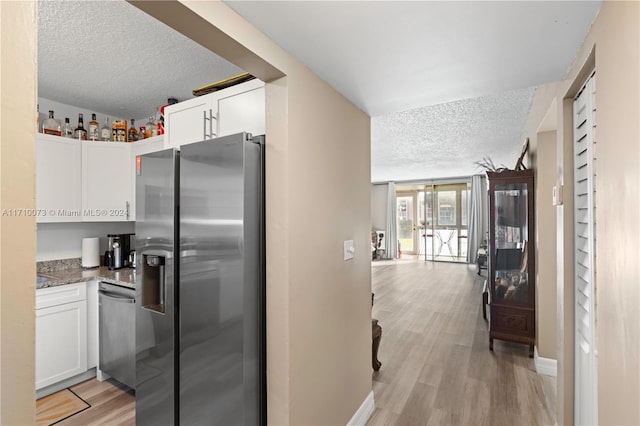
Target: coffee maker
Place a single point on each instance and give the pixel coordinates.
(118, 248)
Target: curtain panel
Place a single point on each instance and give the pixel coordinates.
(474, 238)
(391, 245)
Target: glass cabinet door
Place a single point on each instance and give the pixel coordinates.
(510, 243)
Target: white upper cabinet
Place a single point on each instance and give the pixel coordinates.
(107, 190)
(242, 112)
(58, 179)
(190, 121)
(240, 108)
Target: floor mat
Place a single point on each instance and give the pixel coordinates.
(58, 406)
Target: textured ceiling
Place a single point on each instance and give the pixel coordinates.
(110, 57)
(445, 140)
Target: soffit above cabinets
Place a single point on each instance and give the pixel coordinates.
(109, 56)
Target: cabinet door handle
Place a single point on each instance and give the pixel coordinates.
(210, 118)
(211, 134)
(204, 124)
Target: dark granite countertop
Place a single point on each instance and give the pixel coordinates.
(125, 277)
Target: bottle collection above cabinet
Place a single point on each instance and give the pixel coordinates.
(110, 131)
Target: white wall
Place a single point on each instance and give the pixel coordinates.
(64, 240)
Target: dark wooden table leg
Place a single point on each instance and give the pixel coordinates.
(377, 335)
(485, 299)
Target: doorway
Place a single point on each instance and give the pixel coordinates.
(410, 226)
(432, 221)
(446, 209)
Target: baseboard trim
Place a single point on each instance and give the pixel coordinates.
(361, 416)
(546, 366)
(66, 383)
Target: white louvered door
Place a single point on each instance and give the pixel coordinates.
(584, 114)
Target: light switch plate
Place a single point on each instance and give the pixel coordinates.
(557, 195)
(349, 249)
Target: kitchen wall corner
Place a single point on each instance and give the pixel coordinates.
(64, 240)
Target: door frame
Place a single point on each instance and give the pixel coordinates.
(585, 377)
(413, 193)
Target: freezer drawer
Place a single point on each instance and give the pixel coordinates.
(117, 333)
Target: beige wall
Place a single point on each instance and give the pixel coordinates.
(318, 195)
(613, 48)
(544, 147)
(18, 37)
(617, 213)
(540, 129)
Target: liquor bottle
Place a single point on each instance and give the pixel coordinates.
(160, 123)
(67, 129)
(119, 130)
(80, 132)
(38, 118)
(151, 129)
(51, 126)
(105, 131)
(94, 129)
(132, 134)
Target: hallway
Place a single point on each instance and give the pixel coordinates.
(436, 365)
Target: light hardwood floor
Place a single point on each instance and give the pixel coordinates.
(436, 365)
(112, 404)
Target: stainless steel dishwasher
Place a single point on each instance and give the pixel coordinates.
(117, 327)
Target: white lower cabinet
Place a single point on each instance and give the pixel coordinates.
(61, 333)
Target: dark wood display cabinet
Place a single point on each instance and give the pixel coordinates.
(512, 257)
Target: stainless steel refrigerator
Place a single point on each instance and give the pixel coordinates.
(200, 284)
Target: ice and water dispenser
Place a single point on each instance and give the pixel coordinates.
(153, 283)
